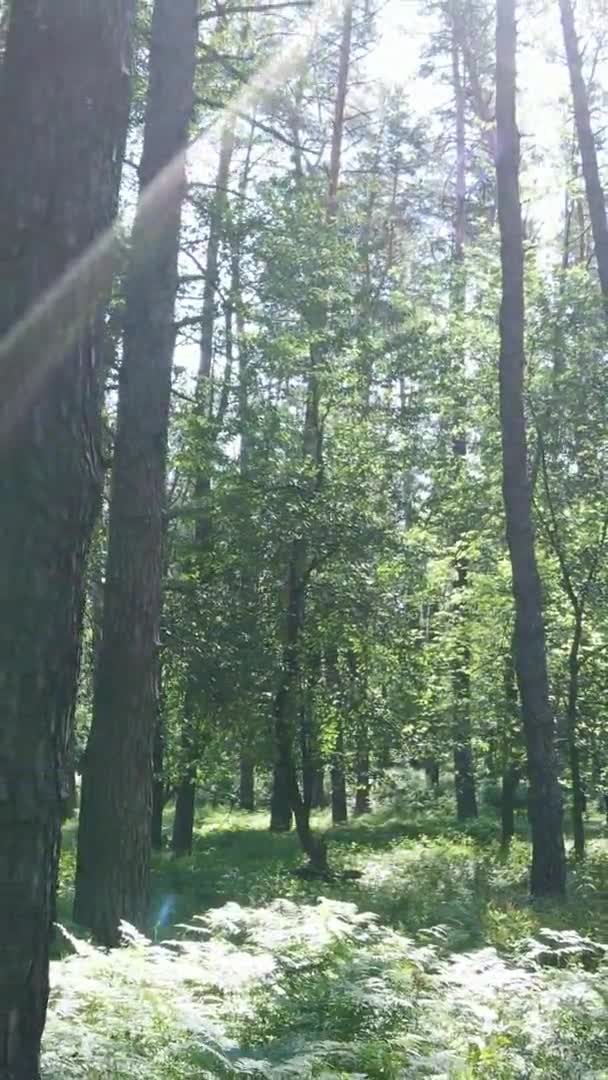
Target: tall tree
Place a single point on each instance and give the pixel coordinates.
(464, 774)
(286, 796)
(114, 837)
(587, 147)
(64, 100)
(548, 873)
(183, 822)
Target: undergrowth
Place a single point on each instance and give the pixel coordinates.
(433, 963)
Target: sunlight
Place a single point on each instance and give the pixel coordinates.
(53, 326)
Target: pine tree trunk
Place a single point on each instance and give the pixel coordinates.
(548, 872)
(286, 790)
(464, 773)
(114, 837)
(586, 142)
(578, 792)
(183, 822)
(246, 782)
(285, 703)
(64, 98)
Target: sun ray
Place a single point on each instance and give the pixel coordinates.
(56, 322)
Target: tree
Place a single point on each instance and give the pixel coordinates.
(586, 142)
(114, 837)
(64, 100)
(548, 872)
(183, 822)
(287, 798)
(464, 772)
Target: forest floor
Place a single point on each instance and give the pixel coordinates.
(433, 963)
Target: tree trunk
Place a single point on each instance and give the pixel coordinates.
(246, 782)
(183, 822)
(319, 798)
(431, 771)
(286, 703)
(217, 215)
(464, 773)
(339, 805)
(184, 807)
(185, 799)
(281, 816)
(586, 142)
(548, 872)
(510, 781)
(114, 840)
(64, 98)
(578, 793)
(464, 778)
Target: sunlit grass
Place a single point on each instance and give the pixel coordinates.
(424, 966)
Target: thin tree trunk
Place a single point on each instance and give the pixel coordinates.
(281, 815)
(586, 142)
(183, 826)
(464, 774)
(319, 794)
(183, 822)
(246, 782)
(510, 780)
(114, 838)
(216, 223)
(548, 872)
(64, 96)
(431, 772)
(286, 704)
(509, 769)
(578, 793)
(339, 804)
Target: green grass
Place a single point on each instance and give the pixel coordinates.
(424, 966)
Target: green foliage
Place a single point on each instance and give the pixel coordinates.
(433, 963)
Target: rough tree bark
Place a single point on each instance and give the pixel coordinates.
(64, 98)
(114, 839)
(548, 871)
(588, 151)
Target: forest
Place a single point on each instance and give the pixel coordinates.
(304, 541)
